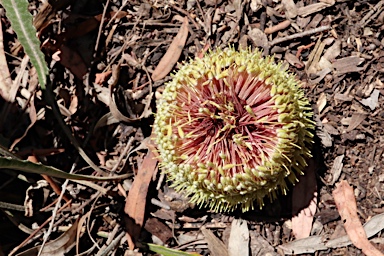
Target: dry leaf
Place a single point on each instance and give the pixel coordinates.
(336, 168)
(5, 76)
(173, 53)
(102, 77)
(290, 9)
(59, 246)
(70, 59)
(259, 246)
(346, 205)
(321, 102)
(135, 202)
(316, 243)
(256, 5)
(314, 58)
(312, 8)
(355, 121)
(372, 101)
(238, 243)
(307, 245)
(215, 245)
(73, 105)
(348, 64)
(333, 51)
(258, 37)
(293, 60)
(115, 115)
(305, 192)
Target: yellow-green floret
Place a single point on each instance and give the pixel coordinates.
(232, 128)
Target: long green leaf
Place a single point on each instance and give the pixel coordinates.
(169, 252)
(26, 166)
(21, 21)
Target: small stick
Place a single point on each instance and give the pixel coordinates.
(301, 34)
(367, 18)
(186, 14)
(282, 25)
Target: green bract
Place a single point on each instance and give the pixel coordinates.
(232, 128)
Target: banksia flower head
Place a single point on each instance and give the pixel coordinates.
(232, 128)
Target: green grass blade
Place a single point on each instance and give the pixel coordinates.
(169, 252)
(21, 21)
(26, 166)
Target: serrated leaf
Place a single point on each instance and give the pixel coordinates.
(21, 21)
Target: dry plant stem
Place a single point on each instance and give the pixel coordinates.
(123, 154)
(192, 244)
(112, 245)
(278, 27)
(299, 35)
(47, 207)
(50, 181)
(33, 236)
(9, 206)
(201, 10)
(120, 9)
(55, 187)
(101, 26)
(149, 24)
(88, 215)
(55, 211)
(188, 15)
(160, 204)
(369, 16)
(36, 231)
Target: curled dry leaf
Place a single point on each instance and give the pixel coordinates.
(346, 205)
(173, 53)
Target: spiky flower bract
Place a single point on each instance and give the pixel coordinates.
(232, 128)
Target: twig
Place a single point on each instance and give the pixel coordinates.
(35, 231)
(282, 25)
(101, 26)
(54, 212)
(114, 16)
(186, 14)
(9, 206)
(112, 245)
(369, 16)
(301, 34)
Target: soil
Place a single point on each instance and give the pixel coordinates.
(102, 56)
